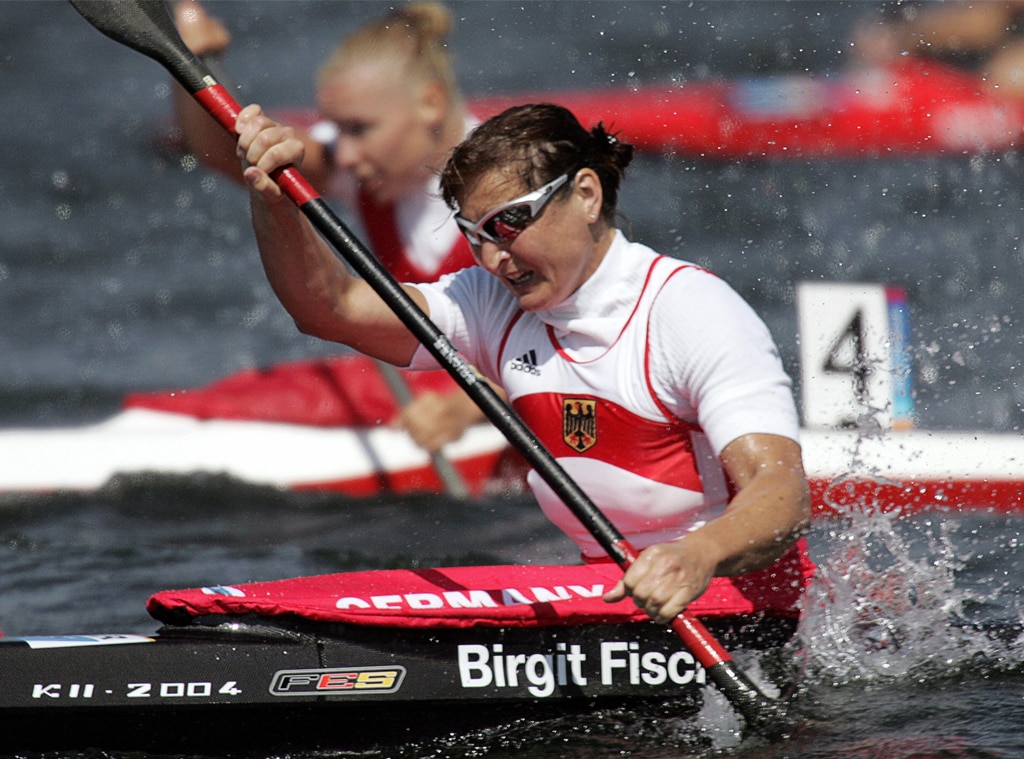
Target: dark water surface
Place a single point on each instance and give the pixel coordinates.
(123, 267)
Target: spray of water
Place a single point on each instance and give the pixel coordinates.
(893, 598)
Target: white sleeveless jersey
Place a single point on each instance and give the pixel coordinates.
(599, 417)
(622, 393)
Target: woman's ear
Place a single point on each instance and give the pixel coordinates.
(587, 186)
(432, 104)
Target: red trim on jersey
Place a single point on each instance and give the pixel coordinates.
(570, 359)
(382, 230)
(623, 439)
(731, 488)
(647, 349)
(508, 331)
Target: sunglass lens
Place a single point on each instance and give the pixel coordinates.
(509, 223)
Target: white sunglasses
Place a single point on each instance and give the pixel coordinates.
(505, 223)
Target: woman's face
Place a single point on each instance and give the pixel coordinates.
(549, 260)
(388, 128)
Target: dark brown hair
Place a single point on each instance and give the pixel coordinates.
(539, 142)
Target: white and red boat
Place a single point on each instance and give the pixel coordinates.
(353, 460)
(914, 470)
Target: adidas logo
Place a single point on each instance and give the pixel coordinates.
(526, 363)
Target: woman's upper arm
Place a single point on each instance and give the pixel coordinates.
(756, 454)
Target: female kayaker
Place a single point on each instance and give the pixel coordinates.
(651, 381)
(391, 113)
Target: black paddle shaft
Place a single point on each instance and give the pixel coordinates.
(146, 26)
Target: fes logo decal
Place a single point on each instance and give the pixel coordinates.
(579, 423)
(337, 681)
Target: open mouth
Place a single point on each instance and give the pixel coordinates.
(519, 281)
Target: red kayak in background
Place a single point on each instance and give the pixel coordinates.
(913, 107)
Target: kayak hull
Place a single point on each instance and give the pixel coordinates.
(239, 683)
(359, 659)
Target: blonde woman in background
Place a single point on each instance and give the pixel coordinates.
(391, 111)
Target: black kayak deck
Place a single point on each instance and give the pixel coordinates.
(231, 685)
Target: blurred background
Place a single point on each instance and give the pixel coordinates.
(124, 266)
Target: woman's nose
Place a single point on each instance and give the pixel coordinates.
(492, 255)
(346, 153)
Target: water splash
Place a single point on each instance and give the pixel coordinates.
(896, 597)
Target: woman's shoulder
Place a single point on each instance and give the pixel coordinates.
(694, 293)
(641, 253)
(474, 286)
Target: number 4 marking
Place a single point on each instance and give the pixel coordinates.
(846, 356)
(230, 688)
